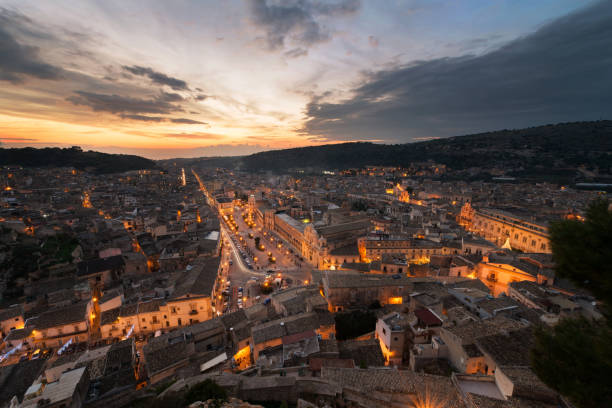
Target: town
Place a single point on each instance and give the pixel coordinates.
(371, 287)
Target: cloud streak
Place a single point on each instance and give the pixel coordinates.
(157, 77)
(118, 104)
(561, 71)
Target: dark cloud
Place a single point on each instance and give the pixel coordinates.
(300, 20)
(18, 60)
(123, 104)
(561, 72)
(157, 77)
(296, 52)
(143, 118)
(187, 121)
(201, 97)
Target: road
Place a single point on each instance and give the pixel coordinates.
(239, 274)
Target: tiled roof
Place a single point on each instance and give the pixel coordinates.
(98, 265)
(509, 348)
(199, 281)
(373, 381)
(75, 313)
(284, 326)
(473, 330)
(11, 313)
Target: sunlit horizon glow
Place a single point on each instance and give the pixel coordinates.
(190, 79)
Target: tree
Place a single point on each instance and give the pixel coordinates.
(582, 251)
(353, 324)
(575, 357)
(204, 391)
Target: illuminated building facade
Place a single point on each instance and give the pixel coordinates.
(502, 227)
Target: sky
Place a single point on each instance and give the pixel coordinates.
(186, 78)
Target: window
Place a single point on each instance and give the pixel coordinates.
(143, 319)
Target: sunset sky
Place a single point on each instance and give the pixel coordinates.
(201, 78)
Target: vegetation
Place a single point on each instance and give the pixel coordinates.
(95, 162)
(582, 251)
(353, 324)
(204, 391)
(551, 153)
(575, 357)
(359, 205)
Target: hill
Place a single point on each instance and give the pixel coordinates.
(95, 162)
(562, 146)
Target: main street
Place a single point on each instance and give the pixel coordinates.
(276, 259)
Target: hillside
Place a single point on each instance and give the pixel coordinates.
(562, 146)
(95, 162)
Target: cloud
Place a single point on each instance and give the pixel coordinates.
(157, 77)
(187, 121)
(559, 73)
(17, 139)
(299, 21)
(124, 104)
(143, 118)
(296, 52)
(196, 136)
(373, 41)
(17, 60)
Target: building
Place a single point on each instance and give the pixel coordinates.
(55, 327)
(373, 247)
(345, 289)
(391, 333)
(11, 319)
(504, 228)
(500, 268)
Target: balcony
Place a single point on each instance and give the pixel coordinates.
(193, 312)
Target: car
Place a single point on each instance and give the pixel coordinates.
(231, 262)
(23, 358)
(396, 276)
(240, 289)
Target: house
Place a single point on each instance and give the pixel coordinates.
(10, 319)
(271, 334)
(68, 392)
(55, 327)
(344, 289)
(391, 332)
(463, 353)
(101, 271)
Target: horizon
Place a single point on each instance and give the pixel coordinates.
(169, 81)
(138, 152)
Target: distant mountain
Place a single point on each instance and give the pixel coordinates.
(95, 162)
(553, 152)
(567, 145)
